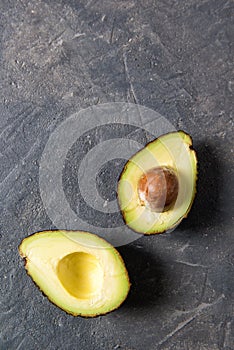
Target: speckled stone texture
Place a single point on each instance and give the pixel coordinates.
(175, 57)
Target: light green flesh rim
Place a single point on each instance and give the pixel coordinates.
(44, 250)
(171, 150)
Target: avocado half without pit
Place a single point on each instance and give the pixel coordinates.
(158, 184)
(78, 271)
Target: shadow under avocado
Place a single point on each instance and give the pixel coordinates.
(205, 211)
(147, 276)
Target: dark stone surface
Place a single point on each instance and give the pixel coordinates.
(174, 57)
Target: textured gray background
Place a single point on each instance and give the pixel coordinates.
(172, 56)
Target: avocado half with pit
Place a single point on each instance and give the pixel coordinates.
(158, 184)
(78, 271)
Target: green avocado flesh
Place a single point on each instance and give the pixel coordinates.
(173, 151)
(78, 271)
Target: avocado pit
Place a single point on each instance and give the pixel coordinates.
(158, 189)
